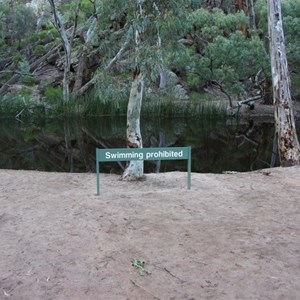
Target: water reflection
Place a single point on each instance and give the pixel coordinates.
(69, 145)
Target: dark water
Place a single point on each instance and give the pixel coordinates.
(54, 145)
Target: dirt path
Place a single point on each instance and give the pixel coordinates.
(232, 236)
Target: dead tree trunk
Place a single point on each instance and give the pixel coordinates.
(288, 145)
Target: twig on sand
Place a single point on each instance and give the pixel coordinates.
(139, 286)
(169, 272)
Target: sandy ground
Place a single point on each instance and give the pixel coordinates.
(232, 236)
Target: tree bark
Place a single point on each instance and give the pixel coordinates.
(67, 44)
(83, 57)
(288, 145)
(252, 18)
(135, 169)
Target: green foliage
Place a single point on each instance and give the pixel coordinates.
(108, 88)
(153, 24)
(30, 133)
(48, 34)
(53, 95)
(5, 76)
(221, 49)
(261, 12)
(34, 37)
(114, 103)
(24, 66)
(97, 106)
(39, 50)
(235, 59)
(140, 265)
(109, 98)
(68, 9)
(87, 8)
(296, 87)
(21, 106)
(167, 107)
(19, 21)
(211, 24)
(28, 79)
(291, 26)
(291, 23)
(21, 64)
(18, 58)
(10, 106)
(227, 56)
(291, 8)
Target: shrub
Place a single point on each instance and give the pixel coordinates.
(53, 94)
(39, 50)
(28, 79)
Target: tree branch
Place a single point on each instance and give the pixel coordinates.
(246, 101)
(223, 91)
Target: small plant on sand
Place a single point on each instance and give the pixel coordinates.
(139, 264)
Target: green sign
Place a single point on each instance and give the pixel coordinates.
(128, 154)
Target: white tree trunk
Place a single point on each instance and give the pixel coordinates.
(135, 169)
(162, 81)
(87, 47)
(288, 145)
(67, 44)
(66, 79)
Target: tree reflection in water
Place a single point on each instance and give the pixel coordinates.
(70, 145)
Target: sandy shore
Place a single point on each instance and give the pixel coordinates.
(232, 236)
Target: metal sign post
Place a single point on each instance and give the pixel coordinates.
(128, 154)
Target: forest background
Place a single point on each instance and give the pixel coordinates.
(191, 53)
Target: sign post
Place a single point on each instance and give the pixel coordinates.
(128, 154)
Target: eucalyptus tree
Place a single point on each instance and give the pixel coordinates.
(288, 145)
(148, 29)
(135, 169)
